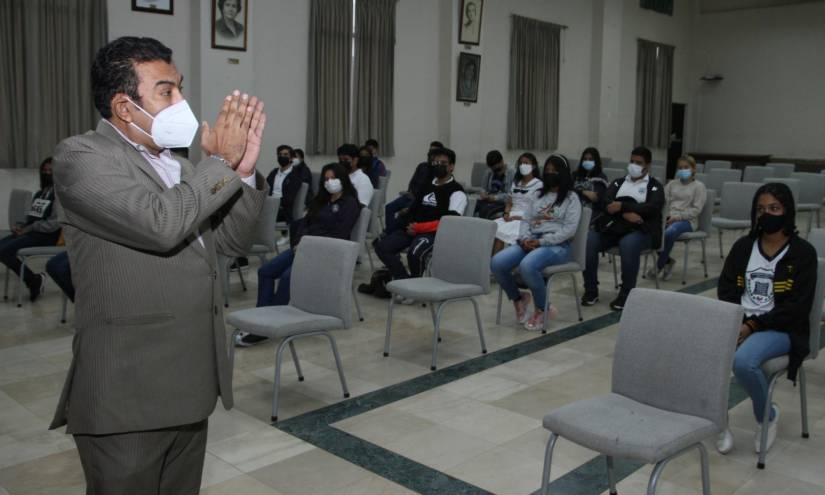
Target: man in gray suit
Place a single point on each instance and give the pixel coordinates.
(143, 228)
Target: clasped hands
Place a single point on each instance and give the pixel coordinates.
(237, 134)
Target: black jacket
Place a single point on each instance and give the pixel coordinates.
(650, 210)
(422, 176)
(292, 184)
(433, 202)
(796, 276)
(334, 220)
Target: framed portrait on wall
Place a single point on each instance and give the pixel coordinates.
(469, 67)
(469, 31)
(154, 6)
(229, 24)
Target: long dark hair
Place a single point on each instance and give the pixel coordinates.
(43, 184)
(581, 173)
(562, 166)
(783, 194)
(323, 197)
(535, 161)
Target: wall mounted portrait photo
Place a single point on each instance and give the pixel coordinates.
(154, 6)
(469, 67)
(229, 24)
(469, 32)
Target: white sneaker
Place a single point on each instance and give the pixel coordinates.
(667, 271)
(724, 443)
(757, 440)
(652, 272)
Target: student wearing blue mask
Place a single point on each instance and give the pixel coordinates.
(685, 197)
(589, 181)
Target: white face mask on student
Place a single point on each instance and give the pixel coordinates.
(635, 171)
(333, 186)
(525, 169)
(296, 161)
(173, 127)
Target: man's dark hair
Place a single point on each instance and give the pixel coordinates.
(645, 153)
(348, 149)
(450, 154)
(113, 70)
(221, 2)
(371, 142)
(436, 144)
(494, 158)
(284, 147)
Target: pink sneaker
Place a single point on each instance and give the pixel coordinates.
(536, 322)
(522, 305)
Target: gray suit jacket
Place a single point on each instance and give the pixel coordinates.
(150, 343)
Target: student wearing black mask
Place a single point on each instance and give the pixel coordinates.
(40, 228)
(285, 181)
(771, 272)
(397, 208)
(350, 159)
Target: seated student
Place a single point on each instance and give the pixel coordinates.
(58, 269)
(589, 181)
(496, 184)
(554, 219)
(443, 196)
(349, 158)
(772, 273)
(685, 199)
(365, 157)
(285, 182)
(41, 228)
(422, 176)
(632, 221)
(298, 163)
(378, 168)
(333, 213)
(523, 192)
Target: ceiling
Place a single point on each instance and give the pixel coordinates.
(709, 6)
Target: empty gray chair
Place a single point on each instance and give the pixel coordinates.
(700, 234)
(716, 178)
(776, 367)
(811, 192)
(359, 236)
(671, 375)
(717, 165)
(735, 212)
(578, 251)
(459, 271)
(793, 185)
(477, 178)
(782, 169)
(757, 173)
(32, 252)
(700, 167)
(320, 301)
(614, 173)
(19, 202)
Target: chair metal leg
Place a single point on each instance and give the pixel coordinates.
(654, 477)
(611, 475)
(498, 306)
(369, 256)
(240, 276)
(276, 387)
(704, 258)
(766, 416)
(721, 254)
(703, 457)
(810, 221)
(389, 327)
(65, 308)
(548, 461)
(357, 305)
(615, 276)
(576, 295)
(436, 325)
(338, 363)
(684, 266)
(480, 326)
(295, 360)
(655, 273)
(803, 399)
(225, 280)
(644, 268)
(432, 314)
(6, 286)
(20, 282)
(817, 219)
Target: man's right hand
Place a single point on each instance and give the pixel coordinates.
(228, 136)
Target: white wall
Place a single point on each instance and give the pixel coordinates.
(771, 99)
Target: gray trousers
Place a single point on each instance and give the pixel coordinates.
(158, 462)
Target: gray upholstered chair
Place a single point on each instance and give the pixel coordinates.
(320, 301)
(24, 255)
(716, 178)
(19, 202)
(373, 227)
(578, 251)
(381, 202)
(757, 173)
(659, 172)
(717, 165)
(470, 209)
(811, 192)
(775, 368)
(735, 212)
(614, 173)
(477, 178)
(782, 169)
(316, 183)
(359, 236)
(700, 234)
(459, 271)
(700, 167)
(671, 375)
(298, 210)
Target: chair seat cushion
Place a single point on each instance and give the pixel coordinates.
(775, 365)
(259, 249)
(729, 223)
(692, 236)
(808, 207)
(432, 289)
(281, 321)
(41, 251)
(570, 266)
(621, 427)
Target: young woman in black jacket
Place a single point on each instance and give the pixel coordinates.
(771, 272)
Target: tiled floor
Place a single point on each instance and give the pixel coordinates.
(483, 429)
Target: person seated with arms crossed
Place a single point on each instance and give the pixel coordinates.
(523, 192)
(590, 183)
(397, 208)
(41, 228)
(350, 159)
(333, 213)
(285, 181)
(443, 196)
(685, 199)
(377, 168)
(632, 221)
(497, 181)
(553, 222)
(771, 272)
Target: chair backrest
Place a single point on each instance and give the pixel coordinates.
(374, 227)
(359, 230)
(299, 206)
(811, 187)
(19, 202)
(321, 281)
(659, 172)
(700, 167)
(574, 163)
(718, 177)
(462, 251)
(316, 183)
(703, 178)
(737, 198)
(382, 181)
(674, 351)
(477, 174)
(717, 165)
(265, 232)
(613, 174)
(618, 164)
(815, 318)
(470, 209)
(782, 169)
(756, 173)
(793, 184)
(578, 246)
(705, 216)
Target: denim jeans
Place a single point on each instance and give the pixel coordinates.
(278, 268)
(11, 244)
(58, 268)
(671, 234)
(393, 207)
(530, 265)
(630, 251)
(747, 365)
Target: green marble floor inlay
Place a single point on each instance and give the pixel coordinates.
(315, 427)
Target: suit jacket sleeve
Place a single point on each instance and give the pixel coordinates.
(234, 226)
(99, 195)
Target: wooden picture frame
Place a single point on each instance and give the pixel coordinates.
(231, 35)
(154, 6)
(469, 69)
(469, 22)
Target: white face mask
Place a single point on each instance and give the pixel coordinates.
(525, 169)
(173, 127)
(296, 161)
(333, 186)
(635, 170)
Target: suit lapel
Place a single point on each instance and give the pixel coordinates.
(106, 129)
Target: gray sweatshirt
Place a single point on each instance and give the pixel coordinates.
(685, 200)
(554, 224)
